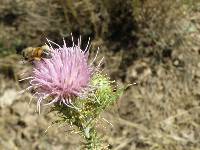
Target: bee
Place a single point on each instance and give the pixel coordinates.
(36, 53)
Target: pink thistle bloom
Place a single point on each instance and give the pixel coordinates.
(64, 76)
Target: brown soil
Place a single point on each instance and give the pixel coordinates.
(160, 111)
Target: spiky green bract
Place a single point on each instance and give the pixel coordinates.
(105, 94)
(84, 115)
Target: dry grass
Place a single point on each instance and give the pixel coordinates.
(153, 43)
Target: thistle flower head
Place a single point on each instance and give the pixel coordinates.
(64, 76)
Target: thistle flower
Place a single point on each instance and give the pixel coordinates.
(63, 77)
(66, 77)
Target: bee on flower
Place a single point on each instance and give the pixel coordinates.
(63, 76)
(36, 53)
(67, 78)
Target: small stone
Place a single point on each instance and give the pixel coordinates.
(9, 96)
(176, 62)
(198, 65)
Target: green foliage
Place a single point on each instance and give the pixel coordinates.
(104, 95)
(87, 111)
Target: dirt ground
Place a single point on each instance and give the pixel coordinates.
(160, 111)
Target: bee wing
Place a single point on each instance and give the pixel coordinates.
(46, 54)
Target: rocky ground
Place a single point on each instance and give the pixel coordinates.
(160, 111)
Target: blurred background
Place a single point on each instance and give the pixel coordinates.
(153, 43)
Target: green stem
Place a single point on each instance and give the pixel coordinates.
(92, 140)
